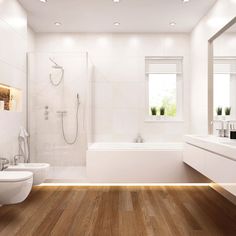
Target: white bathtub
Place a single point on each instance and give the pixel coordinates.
(137, 163)
(135, 146)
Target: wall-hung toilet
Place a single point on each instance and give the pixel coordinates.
(14, 186)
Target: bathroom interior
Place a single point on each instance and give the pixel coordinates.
(117, 117)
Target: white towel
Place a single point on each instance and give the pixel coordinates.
(23, 143)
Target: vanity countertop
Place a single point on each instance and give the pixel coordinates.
(223, 146)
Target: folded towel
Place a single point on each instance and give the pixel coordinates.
(23, 143)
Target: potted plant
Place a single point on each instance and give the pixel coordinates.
(227, 111)
(154, 111)
(162, 111)
(219, 111)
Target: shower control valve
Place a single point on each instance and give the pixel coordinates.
(46, 112)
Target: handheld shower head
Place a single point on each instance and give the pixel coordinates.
(78, 98)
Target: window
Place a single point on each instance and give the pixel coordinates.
(224, 84)
(221, 90)
(164, 86)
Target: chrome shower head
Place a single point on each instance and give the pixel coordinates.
(56, 66)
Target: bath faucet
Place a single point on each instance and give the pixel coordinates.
(16, 159)
(139, 139)
(4, 162)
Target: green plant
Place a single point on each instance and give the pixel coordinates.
(170, 105)
(227, 111)
(219, 111)
(162, 111)
(154, 111)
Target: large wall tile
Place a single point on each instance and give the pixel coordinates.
(13, 48)
(118, 88)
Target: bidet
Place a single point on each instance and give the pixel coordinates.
(39, 170)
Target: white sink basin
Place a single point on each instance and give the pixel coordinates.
(223, 146)
(39, 170)
(231, 143)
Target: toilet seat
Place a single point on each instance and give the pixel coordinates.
(15, 176)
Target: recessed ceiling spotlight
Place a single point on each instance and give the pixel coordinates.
(44, 1)
(57, 23)
(185, 1)
(116, 23)
(116, 1)
(172, 23)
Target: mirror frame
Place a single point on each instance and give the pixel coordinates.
(211, 72)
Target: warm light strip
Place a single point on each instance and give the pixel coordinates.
(223, 184)
(5, 86)
(128, 184)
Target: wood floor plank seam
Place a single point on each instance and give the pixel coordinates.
(120, 211)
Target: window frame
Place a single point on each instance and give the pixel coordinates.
(179, 89)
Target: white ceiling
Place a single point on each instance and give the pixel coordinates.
(99, 15)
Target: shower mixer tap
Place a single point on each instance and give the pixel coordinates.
(46, 113)
(62, 112)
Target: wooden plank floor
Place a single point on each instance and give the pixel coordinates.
(120, 211)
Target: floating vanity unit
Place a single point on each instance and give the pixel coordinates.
(213, 157)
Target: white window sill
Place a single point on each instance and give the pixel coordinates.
(163, 120)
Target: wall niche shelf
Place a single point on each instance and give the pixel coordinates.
(10, 99)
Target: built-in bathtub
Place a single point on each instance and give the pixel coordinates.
(137, 163)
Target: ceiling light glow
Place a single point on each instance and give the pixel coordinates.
(185, 1)
(116, 1)
(44, 1)
(172, 23)
(57, 24)
(116, 23)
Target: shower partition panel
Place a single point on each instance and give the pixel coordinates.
(46, 101)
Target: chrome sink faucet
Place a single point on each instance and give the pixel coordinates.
(139, 139)
(4, 162)
(16, 159)
(224, 130)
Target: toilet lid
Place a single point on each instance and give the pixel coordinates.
(15, 176)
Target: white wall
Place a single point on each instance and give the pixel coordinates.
(221, 13)
(13, 47)
(46, 138)
(119, 80)
(225, 45)
(30, 40)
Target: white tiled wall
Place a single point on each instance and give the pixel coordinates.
(46, 141)
(225, 45)
(13, 47)
(119, 81)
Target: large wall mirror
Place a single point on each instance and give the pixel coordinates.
(222, 78)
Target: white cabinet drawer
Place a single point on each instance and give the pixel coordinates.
(218, 168)
(194, 157)
(222, 171)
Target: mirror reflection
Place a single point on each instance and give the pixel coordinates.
(225, 73)
(224, 78)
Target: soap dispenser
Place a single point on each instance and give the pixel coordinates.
(232, 131)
